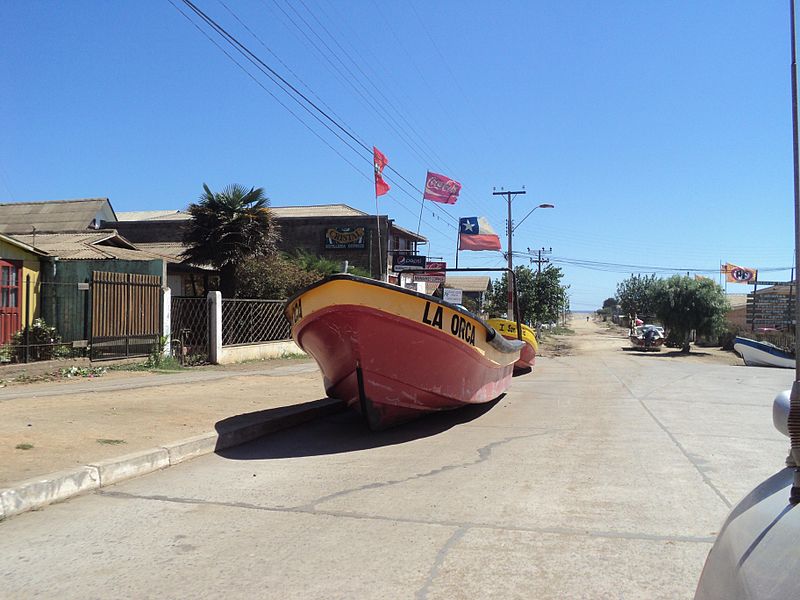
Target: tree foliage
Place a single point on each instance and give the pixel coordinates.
(274, 277)
(542, 297)
(637, 295)
(279, 276)
(610, 302)
(227, 228)
(683, 304)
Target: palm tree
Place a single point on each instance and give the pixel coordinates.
(228, 226)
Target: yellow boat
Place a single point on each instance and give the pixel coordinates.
(508, 329)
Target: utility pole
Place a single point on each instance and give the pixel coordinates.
(510, 229)
(541, 260)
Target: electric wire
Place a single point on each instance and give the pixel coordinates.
(276, 78)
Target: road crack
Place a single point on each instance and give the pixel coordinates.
(484, 453)
(422, 593)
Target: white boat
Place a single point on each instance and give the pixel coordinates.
(763, 354)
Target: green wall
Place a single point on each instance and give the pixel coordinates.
(65, 306)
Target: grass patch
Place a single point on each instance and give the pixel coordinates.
(23, 446)
(111, 442)
(166, 364)
(292, 355)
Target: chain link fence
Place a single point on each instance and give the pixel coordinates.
(189, 329)
(253, 321)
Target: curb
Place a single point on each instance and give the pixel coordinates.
(35, 493)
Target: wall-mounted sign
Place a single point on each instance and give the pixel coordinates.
(407, 262)
(432, 276)
(345, 238)
(452, 295)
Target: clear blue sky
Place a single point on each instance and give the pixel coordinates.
(660, 130)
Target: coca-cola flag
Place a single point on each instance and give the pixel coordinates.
(381, 187)
(441, 189)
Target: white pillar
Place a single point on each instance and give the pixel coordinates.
(166, 319)
(214, 327)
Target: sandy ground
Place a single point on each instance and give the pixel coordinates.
(49, 426)
(594, 336)
(75, 422)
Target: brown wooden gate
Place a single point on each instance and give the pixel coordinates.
(126, 314)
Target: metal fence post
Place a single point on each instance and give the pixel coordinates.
(27, 317)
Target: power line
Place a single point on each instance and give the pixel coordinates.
(328, 122)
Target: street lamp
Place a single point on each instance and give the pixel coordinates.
(511, 230)
(530, 212)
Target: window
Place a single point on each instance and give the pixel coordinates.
(9, 292)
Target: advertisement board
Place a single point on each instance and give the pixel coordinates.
(345, 238)
(433, 276)
(407, 262)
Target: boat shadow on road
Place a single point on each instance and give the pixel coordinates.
(346, 431)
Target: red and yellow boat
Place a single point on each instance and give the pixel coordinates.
(395, 354)
(527, 357)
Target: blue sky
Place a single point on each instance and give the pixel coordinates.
(660, 131)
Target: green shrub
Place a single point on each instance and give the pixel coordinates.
(44, 343)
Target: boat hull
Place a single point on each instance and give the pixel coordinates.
(639, 343)
(759, 354)
(395, 355)
(527, 356)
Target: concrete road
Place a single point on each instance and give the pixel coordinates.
(602, 475)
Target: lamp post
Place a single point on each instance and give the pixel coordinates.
(510, 229)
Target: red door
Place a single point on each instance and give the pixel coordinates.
(10, 299)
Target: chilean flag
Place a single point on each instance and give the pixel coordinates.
(475, 233)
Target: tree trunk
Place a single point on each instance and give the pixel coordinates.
(685, 348)
(227, 280)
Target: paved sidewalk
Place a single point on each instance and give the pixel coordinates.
(137, 421)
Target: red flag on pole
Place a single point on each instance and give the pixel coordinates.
(441, 188)
(380, 161)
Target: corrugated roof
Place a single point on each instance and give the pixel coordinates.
(317, 210)
(170, 250)
(51, 215)
(280, 212)
(468, 283)
(153, 215)
(100, 244)
(20, 244)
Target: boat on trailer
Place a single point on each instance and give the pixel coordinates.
(395, 354)
(756, 353)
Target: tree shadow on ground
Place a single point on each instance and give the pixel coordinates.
(345, 431)
(662, 354)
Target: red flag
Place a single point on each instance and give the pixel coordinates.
(441, 188)
(381, 187)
